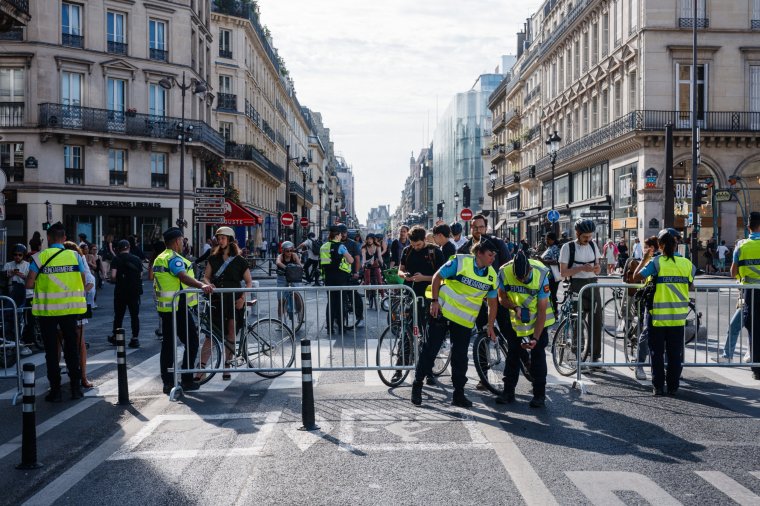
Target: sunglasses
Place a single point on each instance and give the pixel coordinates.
(18, 254)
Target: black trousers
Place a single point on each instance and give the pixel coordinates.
(537, 361)
(460, 341)
(187, 334)
(49, 326)
(311, 268)
(666, 341)
(751, 315)
(591, 314)
(120, 306)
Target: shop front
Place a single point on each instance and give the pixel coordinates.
(625, 204)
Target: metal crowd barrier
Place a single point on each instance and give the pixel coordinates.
(261, 266)
(713, 337)
(10, 345)
(266, 331)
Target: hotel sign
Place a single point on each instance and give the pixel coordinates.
(118, 204)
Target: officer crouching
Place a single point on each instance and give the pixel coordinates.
(525, 291)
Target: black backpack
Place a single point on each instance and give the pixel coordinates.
(571, 260)
(316, 244)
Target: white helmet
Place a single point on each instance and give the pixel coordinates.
(225, 231)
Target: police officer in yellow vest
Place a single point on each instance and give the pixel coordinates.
(455, 305)
(672, 275)
(173, 272)
(525, 291)
(58, 278)
(746, 267)
(335, 262)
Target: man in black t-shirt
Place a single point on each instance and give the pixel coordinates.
(126, 273)
(441, 235)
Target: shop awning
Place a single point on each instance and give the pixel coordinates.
(237, 216)
(500, 224)
(259, 218)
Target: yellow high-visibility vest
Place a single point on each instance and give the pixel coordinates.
(671, 297)
(167, 284)
(526, 296)
(461, 297)
(58, 288)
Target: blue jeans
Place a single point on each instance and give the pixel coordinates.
(734, 331)
(643, 351)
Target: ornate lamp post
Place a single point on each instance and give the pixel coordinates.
(492, 175)
(456, 205)
(552, 144)
(329, 207)
(321, 188)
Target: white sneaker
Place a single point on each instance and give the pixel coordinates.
(640, 374)
(747, 357)
(25, 351)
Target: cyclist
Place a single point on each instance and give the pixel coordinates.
(287, 257)
(311, 267)
(673, 276)
(457, 239)
(744, 267)
(524, 290)
(336, 270)
(372, 260)
(441, 236)
(354, 248)
(469, 280)
(579, 261)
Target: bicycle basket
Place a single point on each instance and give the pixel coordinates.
(293, 273)
(391, 277)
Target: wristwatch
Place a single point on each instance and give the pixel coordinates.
(434, 300)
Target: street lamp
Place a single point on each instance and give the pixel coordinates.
(552, 143)
(329, 206)
(492, 174)
(184, 135)
(320, 187)
(456, 205)
(304, 166)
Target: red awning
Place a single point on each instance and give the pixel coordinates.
(234, 215)
(259, 218)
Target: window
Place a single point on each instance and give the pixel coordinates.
(576, 60)
(561, 69)
(225, 99)
(683, 93)
(546, 194)
(158, 177)
(686, 14)
(12, 160)
(11, 96)
(116, 90)
(632, 92)
(157, 34)
(116, 36)
(594, 112)
(71, 99)
(755, 22)
(71, 25)
(225, 84)
(594, 43)
(754, 96)
(225, 128)
(585, 118)
(562, 193)
(605, 108)
(117, 172)
(72, 165)
(225, 43)
(618, 31)
(633, 16)
(618, 111)
(157, 100)
(605, 34)
(585, 51)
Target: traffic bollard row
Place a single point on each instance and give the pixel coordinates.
(307, 386)
(29, 423)
(121, 367)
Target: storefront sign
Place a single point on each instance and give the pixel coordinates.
(650, 178)
(31, 163)
(209, 190)
(723, 195)
(118, 204)
(653, 223)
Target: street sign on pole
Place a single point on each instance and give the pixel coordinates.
(517, 214)
(211, 201)
(594, 215)
(466, 214)
(553, 216)
(209, 190)
(691, 218)
(723, 195)
(287, 219)
(600, 207)
(304, 222)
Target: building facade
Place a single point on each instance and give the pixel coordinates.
(378, 219)
(608, 75)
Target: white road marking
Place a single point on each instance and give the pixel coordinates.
(137, 376)
(600, 487)
(320, 356)
(735, 491)
(267, 422)
(304, 439)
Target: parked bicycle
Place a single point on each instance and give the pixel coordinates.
(567, 346)
(396, 343)
(292, 301)
(490, 360)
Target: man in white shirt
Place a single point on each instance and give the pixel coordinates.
(579, 261)
(311, 266)
(638, 250)
(17, 270)
(722, 252)
(457, 239)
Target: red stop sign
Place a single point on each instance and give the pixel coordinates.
(466, 214)
(287, 219)
(304, 222)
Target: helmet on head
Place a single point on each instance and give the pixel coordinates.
(287, 245)
(225, 231)
(19, 248)
(456, 228)
(668, 231)
(521, 266)
(585, 226)
(675, 233)
(343, 229)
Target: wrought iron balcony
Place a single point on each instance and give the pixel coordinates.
(689, 23)
(280, 107)
(226, 102)
(755, 24)
(158, 180)
(117, 47)
(11, 114)
(251, 153)
(71, 40)
(512, 118)
(268, 130)
(74, 176)
(497, 152)
(497, 122)
(15, 33)
(131, 125)
(117, 177)
(22, 6)
(159, 54)
(252, 113)
(532, 94)
(225, 53)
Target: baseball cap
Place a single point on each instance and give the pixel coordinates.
(122, 245)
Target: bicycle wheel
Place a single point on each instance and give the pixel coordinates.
(209, 356)
(565, 346)
(691, 329)
(490, 362)
(394, 350)
(612, 318)
(296, 316)
(385, 303)
(631, 345)
(269, 342)
(349, 317)
(443, 358)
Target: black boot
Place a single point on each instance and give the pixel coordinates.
(76, 392)
(507, 396)
(417, 393)
(539, 396)
(460, 400)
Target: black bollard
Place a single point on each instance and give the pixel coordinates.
(29, 424)
(121, 367)
(307, 388)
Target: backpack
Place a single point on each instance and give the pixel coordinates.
(571, 260)
(316, 244)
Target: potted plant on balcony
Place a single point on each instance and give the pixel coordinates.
(131, 112)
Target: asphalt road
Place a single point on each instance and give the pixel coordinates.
(237, 442)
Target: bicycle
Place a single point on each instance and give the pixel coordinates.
(372, 295)
(490, 360)
(565, 341)
(266, 342)
(395, 345)
(614, 311)
(294, 306)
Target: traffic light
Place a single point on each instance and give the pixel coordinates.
(466, 195)
(440, 210)
(701, 195)
(46, 225)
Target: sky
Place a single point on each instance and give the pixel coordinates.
(380, 71)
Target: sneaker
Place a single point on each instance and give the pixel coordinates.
(168, 389)
(431, 381)
(640, 374)
(396, 377)
(134, 343)
(76, 393)
(658, 392)
(537, 402)
(25, 351)
(95, 306)
(359, 324)
(112, 340)
(417, 393)
(756, 375)
(461, 401)
(54, 396)
(747, 358)
(481, 386)
(189, 386)
(507, 396)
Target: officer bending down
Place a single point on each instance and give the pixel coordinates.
(525, 291)
(455, 305)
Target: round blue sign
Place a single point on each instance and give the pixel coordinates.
(553, 216)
